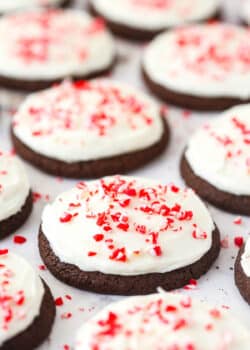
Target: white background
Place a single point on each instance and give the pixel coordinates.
(217, 287)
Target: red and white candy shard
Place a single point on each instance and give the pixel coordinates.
(210, 60)
(21, 294)
(164, 322)
(219, 152)
(128, 226)
(53, 44)
(84, 121)
(155, 14)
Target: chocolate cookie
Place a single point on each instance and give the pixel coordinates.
(15, 195)
(84, 48)
(90, 144)
(122, 255)
(14, 222)
(98, 282)
(196, 67)
(172, 320)
(142, 20)
(33, 300)
(242, 281)
(215, 162)
(40, 329)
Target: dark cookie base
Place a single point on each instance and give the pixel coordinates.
(96, 168)
(242, 281)
(223, 200)
(126, 285)
(40, 329)
(191, 101)
(14, 222)
(134, 33)
(35, 85)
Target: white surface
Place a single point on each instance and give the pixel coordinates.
(217, 287)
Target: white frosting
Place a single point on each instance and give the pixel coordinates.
(245, 259)
(162, 321)
(219, 152)
(141, 226)
(21, 297)
(155, 14)
(53, 44)
(86, 121)
(14, 186)
(11, 5)
(210, 60)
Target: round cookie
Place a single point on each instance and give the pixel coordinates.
(242, 271)
(27, 308)
(13, 5)
(15, 195)
(42, 47)
(216, 162)
(162, 321)
(127, 236)
(142, 19)
(89, 129)
(205, 67)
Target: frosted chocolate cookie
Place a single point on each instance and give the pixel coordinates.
(13, 5)
(242, 271)
(41, 47)
(15, 195)
(89, 129)
(142, 19)
(27, 309)
(245, 11)
(125, 235)
(216, 162)
(204, 67)
(162, 321)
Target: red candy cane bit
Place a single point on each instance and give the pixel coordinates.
(90, 254)
(59, 301)
(119, 255)
(238, 221)
(171, 308)
(157, 251)
(4, 251)
(98, 237)
(67, 217)
(215, 313)
(82, 85)
(110, 326)
(19, 239)
(181, 323)
(238, 241)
